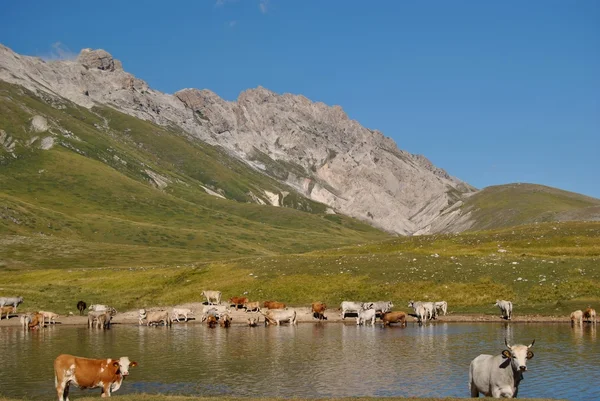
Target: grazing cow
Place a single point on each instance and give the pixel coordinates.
(589, 315)
(279, 316)
(102, 308)
(11, 301)
(51, 316)
(37, 321)
(353, 307)
(253, 321)
(176, 312)
(237, 302)
(394, 317)
(365, 315)
(441, 307)
(274, 305)
(422, 310)
(381, 307)
(142, 315)
(211, 321)
(158, 317)
(499, 376)
(252, 306)
(108, 374)
(212, 296)
(318, 310)
(225, 321)
(577, 317)
(505, 308)
(25, 320)
(6, 310)
(81, 306)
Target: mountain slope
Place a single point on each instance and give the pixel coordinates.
(92, 178)
(313, 148)
(517, 204)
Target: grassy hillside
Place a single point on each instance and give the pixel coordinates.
(548, 269)
(92, 199)
(516, 204)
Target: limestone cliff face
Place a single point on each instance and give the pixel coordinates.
(313, 147)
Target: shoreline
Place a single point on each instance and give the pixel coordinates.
(304, 315)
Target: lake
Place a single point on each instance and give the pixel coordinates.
(309, 361)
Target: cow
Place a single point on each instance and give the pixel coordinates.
(252, 306)
(142, 315)
(93, 318)
(318, 310)
(353, 307)
(108, 374)
(51, 316)
(278, 316)
(505, 308)
(237, 302)
(6, 310)
(253, 321)
(11, 301)
(274, 305)
(589, 315)
(365, 315)
(103, 320)
(212, 296)
(381, 307)
(102, 308)
(37, 321)
(422, 310)
(441, 307)
(225, 321)
(499, 376)
(158, 317)
(176, 312)
(211, 321)
(214, 310)
(577, 317)
(25, 320)
(394, 317)
(81, 306)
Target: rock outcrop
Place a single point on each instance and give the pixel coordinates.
(310, 146)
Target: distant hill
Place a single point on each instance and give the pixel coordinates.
(517, 204)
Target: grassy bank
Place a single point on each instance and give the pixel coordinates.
(547, 269)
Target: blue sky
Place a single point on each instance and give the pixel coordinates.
(493, 92)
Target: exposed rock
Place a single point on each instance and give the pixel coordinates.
(156, 179)
(47, 143)
(99, 59)
(39, 124)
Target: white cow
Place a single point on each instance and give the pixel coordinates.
(365, 315)
(51, 316)
(441, 307)
(213, 310)
(102, 308)
(577, 317)
(499, 376)
(381, 307)
(158, 317)
(505, 308)
(176, 312)
(11, 301)
(25, 320)
(354, 307)
(278, 316)
(212, 296)
(422, 310)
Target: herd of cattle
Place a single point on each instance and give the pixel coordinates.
(495, 376)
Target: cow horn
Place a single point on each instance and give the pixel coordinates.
(531, 345)
(506, 343)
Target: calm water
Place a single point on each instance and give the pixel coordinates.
(310, 360)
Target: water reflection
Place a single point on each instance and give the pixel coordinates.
(309, 360)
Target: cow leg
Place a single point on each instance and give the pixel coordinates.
(502, 392)
(106, 390)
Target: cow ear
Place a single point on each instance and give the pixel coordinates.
(506, 354)
(116, 364)
(133, 364)
(529, 354)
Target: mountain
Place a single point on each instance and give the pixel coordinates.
(314, 149)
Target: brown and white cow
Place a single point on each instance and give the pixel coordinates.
(318, 310)
(108, 374)
(274, 305)
(6, 310)
(37, 321)
(225, 321)
(394, 317)
(238, 301)
(211, 321)
(589, 315)
(158, 317)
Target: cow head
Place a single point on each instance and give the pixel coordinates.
(518, 355)
(123, 364)
(411, 303)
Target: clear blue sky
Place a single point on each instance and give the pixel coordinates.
(492, 91)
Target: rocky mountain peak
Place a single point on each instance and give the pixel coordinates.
(100, 59)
